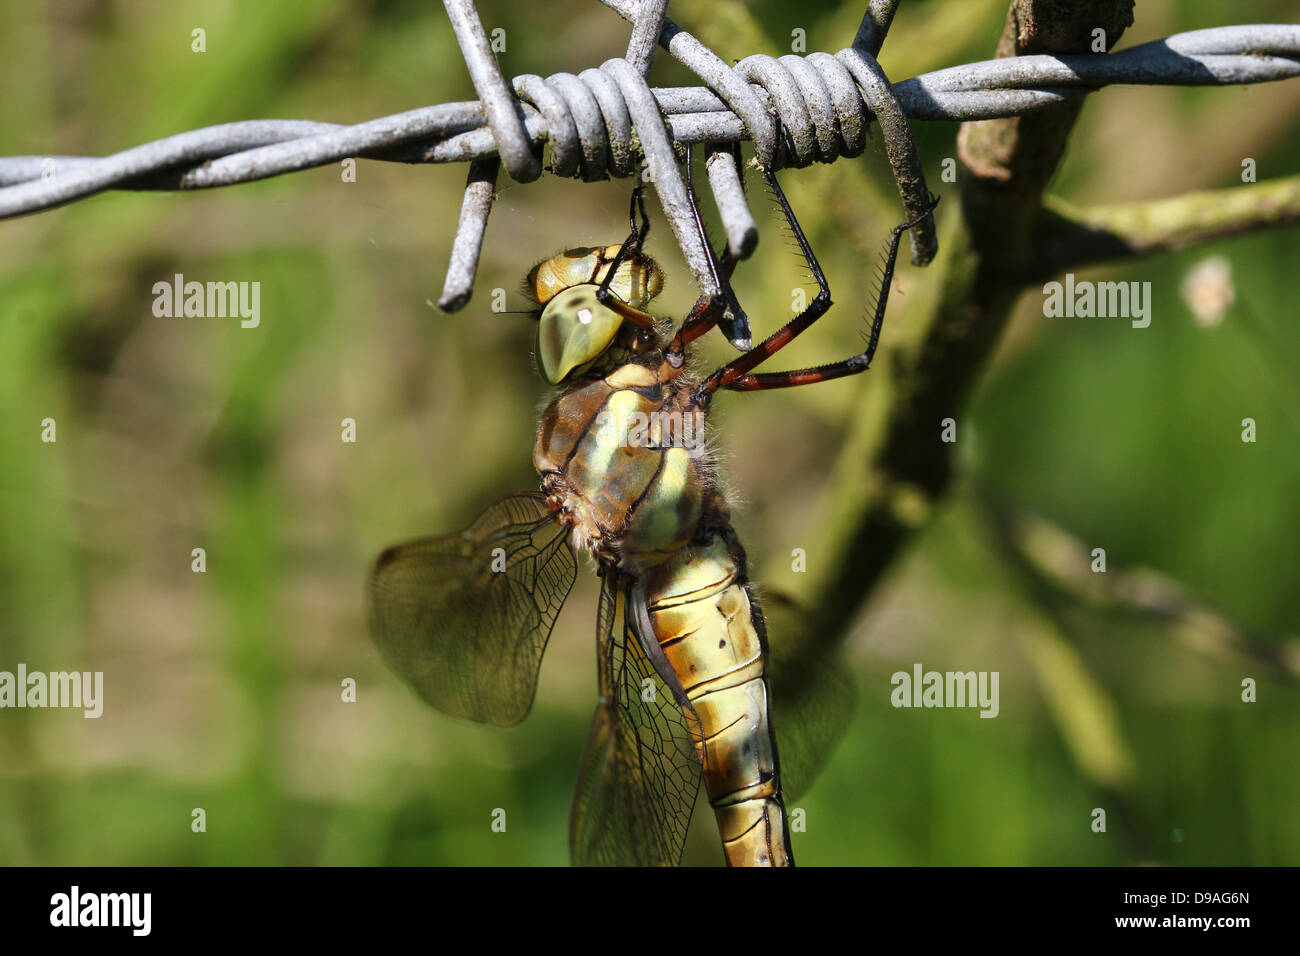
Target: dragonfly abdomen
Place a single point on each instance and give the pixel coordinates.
(710, 633)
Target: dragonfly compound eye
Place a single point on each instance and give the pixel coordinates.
(574, 329)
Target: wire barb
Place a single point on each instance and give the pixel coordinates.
(728, 188)
(480, 191)
(503, 114)
(646, 27)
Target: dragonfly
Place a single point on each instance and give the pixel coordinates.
(688, 680)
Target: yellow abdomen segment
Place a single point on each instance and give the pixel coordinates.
(703, 620)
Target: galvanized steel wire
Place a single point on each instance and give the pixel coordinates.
(607, 121)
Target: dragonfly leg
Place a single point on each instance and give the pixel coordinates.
(631, 247)
(634, 242)
(782, 337)
(850, 366)
(637, 205)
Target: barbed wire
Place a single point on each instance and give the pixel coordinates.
(607, 121)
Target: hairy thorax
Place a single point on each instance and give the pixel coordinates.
(623, 456)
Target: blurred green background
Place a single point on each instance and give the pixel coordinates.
(223, 689)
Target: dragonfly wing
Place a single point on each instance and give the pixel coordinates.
(813, 694)
(465, 618)
(640, 774)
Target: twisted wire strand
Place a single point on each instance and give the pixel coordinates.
(602, 121)
(250, 150)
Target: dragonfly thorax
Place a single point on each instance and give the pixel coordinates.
(624, 457)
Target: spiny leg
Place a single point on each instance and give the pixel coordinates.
(635, 239)
(854, 364)
(782, 337)
(631, 246)
(636, 205)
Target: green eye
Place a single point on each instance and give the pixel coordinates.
(574, 329)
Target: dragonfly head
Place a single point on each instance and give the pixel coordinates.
(574, 327)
